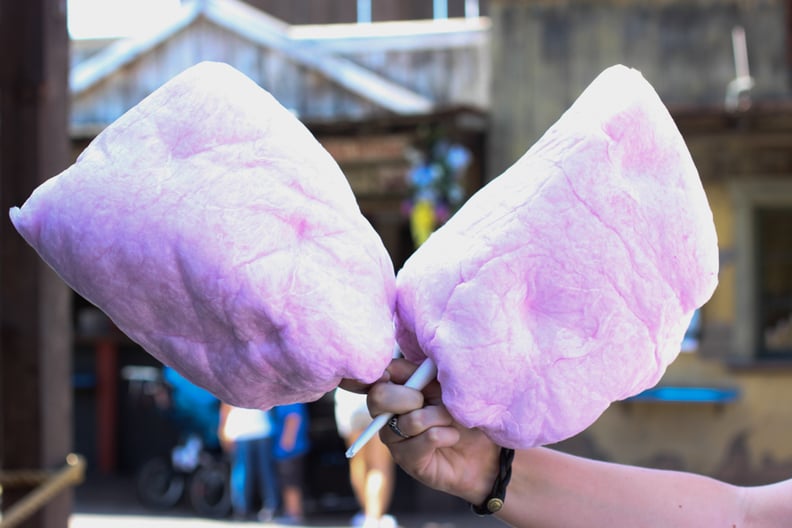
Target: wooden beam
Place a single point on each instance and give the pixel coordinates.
(35, 341)
(261, 29)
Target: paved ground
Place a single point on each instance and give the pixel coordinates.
(91, 520)
(112, 504)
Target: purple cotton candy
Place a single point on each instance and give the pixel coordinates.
(216, 232)
(568, 282)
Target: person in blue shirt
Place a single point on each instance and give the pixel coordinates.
(291, 446)
(195, 408)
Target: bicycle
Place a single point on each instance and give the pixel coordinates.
(191, 469)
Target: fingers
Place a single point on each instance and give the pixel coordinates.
(417, 422)
(391, 398)
(395, 398)
(353, 385)
(400, 370)
(428, 429)
(412, 453)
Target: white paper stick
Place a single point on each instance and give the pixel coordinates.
(425, 373)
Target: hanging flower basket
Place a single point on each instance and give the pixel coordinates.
(436, 181)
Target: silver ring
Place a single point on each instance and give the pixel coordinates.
(393, 423)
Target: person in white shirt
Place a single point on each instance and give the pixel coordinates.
(248, 435)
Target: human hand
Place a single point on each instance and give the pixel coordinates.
(440, 452)
(353, 385)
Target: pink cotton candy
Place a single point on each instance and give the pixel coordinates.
(568, 282)
(216, 232)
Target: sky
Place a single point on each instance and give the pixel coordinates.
(114, 18)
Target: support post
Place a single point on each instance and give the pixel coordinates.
(35, 305)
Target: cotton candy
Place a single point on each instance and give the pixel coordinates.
(567, 282)
(217, 233)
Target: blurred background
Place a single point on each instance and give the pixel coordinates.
(391, 89)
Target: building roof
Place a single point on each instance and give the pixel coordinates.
(330, 53)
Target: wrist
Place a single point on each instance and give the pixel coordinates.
(478, 484)
(494, 500)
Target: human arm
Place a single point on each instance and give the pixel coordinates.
(291, 426)
(553, 489)
(226, 443)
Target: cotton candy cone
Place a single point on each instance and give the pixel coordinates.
(216, 232)
(567, 282)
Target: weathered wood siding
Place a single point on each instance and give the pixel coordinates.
(447, 76)
(296, 87)
(448, 68)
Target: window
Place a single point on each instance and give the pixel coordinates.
(773, 250)
(399, 10)
(363, 11)
(763, 285)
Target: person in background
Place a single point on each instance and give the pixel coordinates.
(372, 470)
(248, 435)
(291, 446)
(194, 408)
(548, 488)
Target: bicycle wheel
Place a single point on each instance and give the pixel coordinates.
(159, 486)
(209, 491)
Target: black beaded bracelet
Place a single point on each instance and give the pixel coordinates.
(494, 501)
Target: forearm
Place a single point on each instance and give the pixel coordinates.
(551, 489)
(290, 427)
(769, 506)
